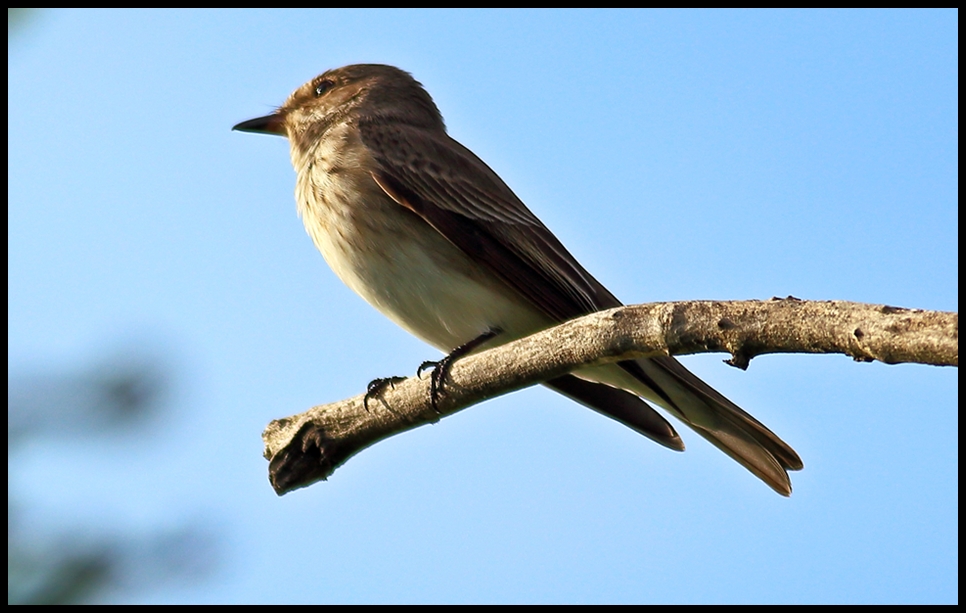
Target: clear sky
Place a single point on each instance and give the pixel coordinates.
(679, 155)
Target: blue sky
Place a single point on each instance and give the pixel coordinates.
(679, 155)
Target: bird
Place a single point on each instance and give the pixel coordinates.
(428, 234)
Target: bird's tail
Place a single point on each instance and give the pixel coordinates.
(666, 382)
(721, 422)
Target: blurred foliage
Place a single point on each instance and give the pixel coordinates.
(52, 565)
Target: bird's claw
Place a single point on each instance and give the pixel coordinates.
(441, 368)
(376, 386)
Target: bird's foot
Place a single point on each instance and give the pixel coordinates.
(441, 367)
(376, 387)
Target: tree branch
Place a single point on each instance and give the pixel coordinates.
(308, 447)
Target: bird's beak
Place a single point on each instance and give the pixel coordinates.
(269, 124)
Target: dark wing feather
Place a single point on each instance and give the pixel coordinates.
(623, 406)
(456, 193)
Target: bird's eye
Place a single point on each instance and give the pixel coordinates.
(323, 86)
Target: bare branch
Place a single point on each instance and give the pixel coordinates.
(308, 447)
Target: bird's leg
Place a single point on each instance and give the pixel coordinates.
(441, 368)
(376, 386)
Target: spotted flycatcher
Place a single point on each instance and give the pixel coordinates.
(428, 234)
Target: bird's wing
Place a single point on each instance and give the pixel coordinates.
(456, 193)
(623, 406)
(465, 201)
